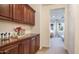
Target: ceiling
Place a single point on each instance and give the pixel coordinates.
(47, 4)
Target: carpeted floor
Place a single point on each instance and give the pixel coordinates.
(57, 47)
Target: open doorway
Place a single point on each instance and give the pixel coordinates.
(57, 28)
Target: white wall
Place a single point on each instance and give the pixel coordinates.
(71, 28)
(76, 19)
(44, 26)
(7, 26)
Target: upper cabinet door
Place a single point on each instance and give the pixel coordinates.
(29, 14)
(6, 10)
(18, 12)
(30, 17)
(33, 18)
(26, 15)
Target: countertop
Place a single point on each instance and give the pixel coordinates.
(19, 38)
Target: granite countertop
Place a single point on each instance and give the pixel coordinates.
(27, 35)
(12, 40)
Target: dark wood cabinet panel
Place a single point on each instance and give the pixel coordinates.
(18, 13)
(11, 11)
(29, 15)
(26, 46)
(11, 50)
(37, 43)
(6, 11)
(26, 15)
(33, 18)
(21, 48)
(32, 45)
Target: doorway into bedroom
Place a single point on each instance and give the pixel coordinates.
(57, 28)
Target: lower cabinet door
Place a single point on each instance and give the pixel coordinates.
(32, 45)
(11, 50)
(21, 48)
(26, 46)
(37, 43)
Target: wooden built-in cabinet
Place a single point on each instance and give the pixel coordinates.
(20, 13)
(11, 50)
(26, 46)
(26, 15)
(29, 16)
(21, 47)
(37, 43)
(6, 11)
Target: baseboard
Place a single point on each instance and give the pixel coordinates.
(43, 47)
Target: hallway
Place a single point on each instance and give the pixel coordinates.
(57, 47)
(56, 42)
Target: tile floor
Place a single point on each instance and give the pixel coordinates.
(57, 47)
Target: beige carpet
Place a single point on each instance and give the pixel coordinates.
(57, 47)
(46, 50)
